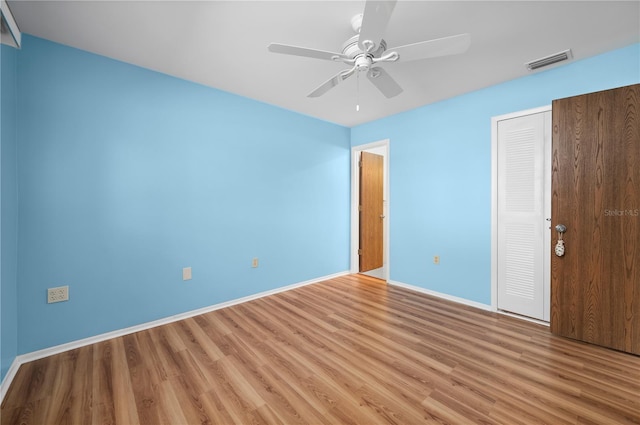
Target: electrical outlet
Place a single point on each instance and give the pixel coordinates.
(186, 273)
(436, 259)
(254, 263)
(55, 295)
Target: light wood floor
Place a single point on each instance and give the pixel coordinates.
(350, 350)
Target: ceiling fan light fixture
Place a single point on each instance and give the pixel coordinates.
(363, 63)
(549, 60)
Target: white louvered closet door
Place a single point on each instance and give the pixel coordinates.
(524, 147)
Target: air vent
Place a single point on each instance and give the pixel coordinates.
(549, 60)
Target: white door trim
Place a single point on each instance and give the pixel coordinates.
(355, 197)
(494, 195)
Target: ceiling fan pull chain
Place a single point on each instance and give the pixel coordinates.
(357, 91)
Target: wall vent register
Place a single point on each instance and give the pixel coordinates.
(549, 60)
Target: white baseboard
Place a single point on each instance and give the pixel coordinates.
(8, 378)
(35, 355)
(447, 297)
(469, 303)
(525, 318)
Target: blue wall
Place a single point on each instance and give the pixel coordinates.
(9, 211)
(126, 176)
(440, 171)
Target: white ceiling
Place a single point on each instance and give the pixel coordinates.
(223, 44)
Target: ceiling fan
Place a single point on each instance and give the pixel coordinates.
(367, 51)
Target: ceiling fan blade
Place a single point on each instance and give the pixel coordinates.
(384, 82)
(332, 82)
(375, 18)
(303, 51)
(433, 48)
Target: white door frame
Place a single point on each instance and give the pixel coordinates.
(355, 200)
(494, 203)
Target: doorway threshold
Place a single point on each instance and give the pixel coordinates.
(377, 273)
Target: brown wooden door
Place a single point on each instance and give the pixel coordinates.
(595, 287)
(371, 211)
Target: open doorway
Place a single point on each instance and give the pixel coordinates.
(361, 238)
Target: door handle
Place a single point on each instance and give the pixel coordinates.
(559, 249)
(381, 215)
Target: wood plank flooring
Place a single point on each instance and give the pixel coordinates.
(350, 350)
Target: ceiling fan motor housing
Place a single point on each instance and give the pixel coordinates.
(351, 49)
(361, 59)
